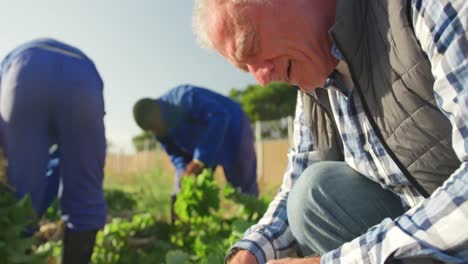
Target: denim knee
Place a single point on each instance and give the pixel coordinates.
(304, 200)
(309, 188)
(331, 204)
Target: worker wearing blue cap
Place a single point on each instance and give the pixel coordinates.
(51, 93)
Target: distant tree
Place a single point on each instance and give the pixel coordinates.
(144, 141)
(273, 101)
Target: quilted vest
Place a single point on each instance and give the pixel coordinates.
(392, 77)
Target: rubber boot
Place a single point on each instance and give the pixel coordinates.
(78, 247)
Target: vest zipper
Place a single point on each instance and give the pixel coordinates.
(403, 169)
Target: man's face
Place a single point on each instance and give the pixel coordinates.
(155, 123)
(286, 41)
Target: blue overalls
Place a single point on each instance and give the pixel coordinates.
(211, 128)
(51, 93)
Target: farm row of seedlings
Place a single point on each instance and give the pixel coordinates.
(209, 220)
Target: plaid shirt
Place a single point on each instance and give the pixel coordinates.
(432, 228)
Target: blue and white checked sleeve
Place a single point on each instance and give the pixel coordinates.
(435, 229)
(271, 237)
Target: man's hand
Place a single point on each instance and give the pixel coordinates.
(311, 260)
(243, 257)
(195, 167)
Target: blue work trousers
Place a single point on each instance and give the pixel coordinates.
(50, 96)
(243, 174)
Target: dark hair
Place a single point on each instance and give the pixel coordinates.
(142, 111)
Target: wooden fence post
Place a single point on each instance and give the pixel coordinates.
(290, 129)
(259, 148)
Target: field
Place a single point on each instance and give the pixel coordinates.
(271, 160)
(211, 215)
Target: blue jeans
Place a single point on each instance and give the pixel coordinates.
(331, 204)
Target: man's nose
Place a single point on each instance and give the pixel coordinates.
(262, 72)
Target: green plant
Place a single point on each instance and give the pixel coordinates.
(177, 257)
(210, 221)
(118, 200)
(16, 218)
(203, 229)
(113, 242)
(198, 196)
(51, 248)
(249, 208)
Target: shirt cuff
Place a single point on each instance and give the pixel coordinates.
(257, 244)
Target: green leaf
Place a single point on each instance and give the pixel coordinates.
(177, 257)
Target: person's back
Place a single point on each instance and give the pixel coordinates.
(52, 93)
(184, 109)
(45, 44)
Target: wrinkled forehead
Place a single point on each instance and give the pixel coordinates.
(221, 29)
(232, 33)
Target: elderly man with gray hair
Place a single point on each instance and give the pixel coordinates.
(378, 169)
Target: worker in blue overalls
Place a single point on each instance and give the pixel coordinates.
(52, 93)
(199, 128)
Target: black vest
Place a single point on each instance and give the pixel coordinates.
(393, 79)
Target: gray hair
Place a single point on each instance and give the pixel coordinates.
(201, 13)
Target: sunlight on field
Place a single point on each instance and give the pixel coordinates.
(151, 189)
(154, 172)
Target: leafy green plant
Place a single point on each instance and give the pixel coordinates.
(198, 196)
(16, 217)
(177, 257)
(118, 200)
(249, 208)
(203, 229)
(113, 242)
(51, 248)
(210, 221)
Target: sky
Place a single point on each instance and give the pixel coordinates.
(141, 48)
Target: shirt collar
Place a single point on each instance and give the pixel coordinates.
(335, 80)
(336, 53)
